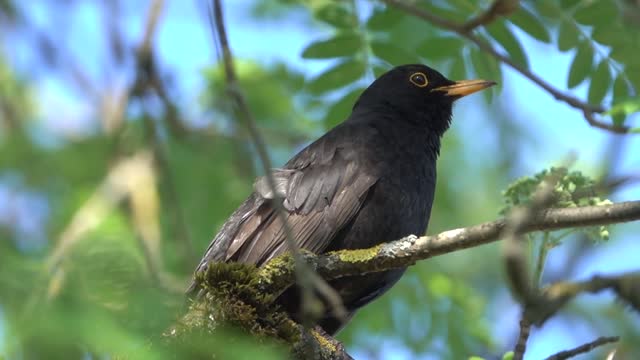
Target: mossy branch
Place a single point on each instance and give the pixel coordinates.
(243, 295)
(278, 274)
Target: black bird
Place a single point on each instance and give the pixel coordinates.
(369, 180)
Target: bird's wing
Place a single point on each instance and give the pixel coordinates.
(323, 188)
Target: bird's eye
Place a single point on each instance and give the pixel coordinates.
(419, 79)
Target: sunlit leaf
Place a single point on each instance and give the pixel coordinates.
(621, 110)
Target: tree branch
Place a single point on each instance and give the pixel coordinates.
(277, 275)
(498, 8)
(555, 296)
(466, 31)
(523, 336)
(562, 355)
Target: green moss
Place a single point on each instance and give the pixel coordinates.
(324, 342)
(273, 272)
(233, 297)
(358, 255)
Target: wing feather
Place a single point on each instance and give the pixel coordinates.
(323, 188)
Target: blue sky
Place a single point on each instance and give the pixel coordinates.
(185, 47)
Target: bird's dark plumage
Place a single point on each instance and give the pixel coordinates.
(369, 180)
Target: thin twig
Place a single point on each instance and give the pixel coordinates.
(175, 206)
(523, 336)
(555, 296)
(304, 276)
(587, 109)
(498, 8)
(562, 355)
(151, 25)
(143, 58)
(616, 129)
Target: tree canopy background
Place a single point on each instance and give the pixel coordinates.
(120, 156)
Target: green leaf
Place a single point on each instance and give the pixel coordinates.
(598, 12)
(342, 108)
(439, 48)
(626, 54)
(458, 69)
(581, 66)
(530, 24)
(568, 4)
(620, 88)
(484, 69)
(633, 73)
(567, 36)
(600, 83)
(503, 35)
(614, 35)
(345, 44)
(393, 54)
(383, 19)
(379, 69)
(338, 76)
(508, 355)
(337, 15)
(627, 107)
(547, 8)
(620, 93)
(443, 10)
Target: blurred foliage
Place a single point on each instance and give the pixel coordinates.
(572, 189)
(108, 294)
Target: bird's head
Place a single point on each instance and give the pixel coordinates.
(419, 94)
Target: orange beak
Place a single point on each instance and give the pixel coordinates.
(465, 87)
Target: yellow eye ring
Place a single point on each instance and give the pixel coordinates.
(419, 79)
